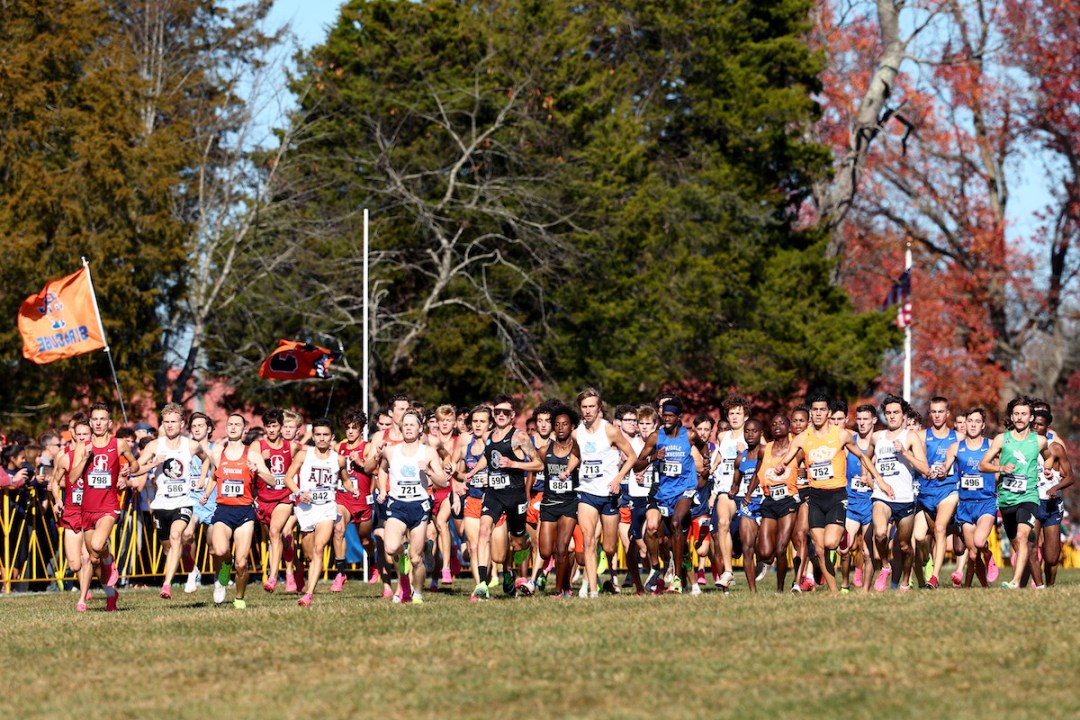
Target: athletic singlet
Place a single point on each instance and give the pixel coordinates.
(73, 489)
(501, 478)
(538, 476)
(356, 471)
(974, 485)
(555, 487)
(936, 449)
(746, 474)
(234, 480)
(406, 483)
(825, 462)
(100, 477)
(647, 476)
(856, 485)
(778, 487)
(676, 472)
(171, 482)
(894, 468)
(1045, 483)
(193, 478)
(278, 460)
(723, 462)
(599, 459)
(1020, 485)
(478, 481)
(319, 476)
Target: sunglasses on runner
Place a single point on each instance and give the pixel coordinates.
(503, 411)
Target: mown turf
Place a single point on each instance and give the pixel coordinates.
(922, 654)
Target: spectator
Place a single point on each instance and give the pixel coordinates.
(13, 485)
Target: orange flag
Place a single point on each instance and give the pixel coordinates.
(61, 321)
(298, 361)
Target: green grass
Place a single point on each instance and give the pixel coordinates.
(921, 654)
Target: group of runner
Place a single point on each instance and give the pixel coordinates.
(860, 508)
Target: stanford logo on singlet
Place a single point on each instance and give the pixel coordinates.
(277, 465)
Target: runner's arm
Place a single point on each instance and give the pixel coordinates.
(645, 456)
(293, 471)
(986, 464)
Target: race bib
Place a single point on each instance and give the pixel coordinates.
(561, 486)
(321, 497)
(479, 479)
(647, 477)
(671, 468)
(887, 467)
(522, 508)
(860, 486)
(591, 470)
(971, 482)
(821, 471)
(99, 481)
(725, 468)
(369, 499)
(232, 488)
(174, 490)
(498, 480)
(193, 484)
(76, 496)
(279, 482)
(1014, 483)
(778, 492)
(665, 511)
(937, 468)
(410, 492)
(426, 506)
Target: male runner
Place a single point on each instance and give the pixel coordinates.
(600, 478)
(274, 503)
(799, 421)
(939, 491)
(312, 479)
(200, 426)
(171, 455)
(779, 504)
(1016, 451)
(860, 509)
(1051, 508)
(749, 499)
(67, 489)
(729, 443)
(976, 511)
(443, 439)
(558, 508)
(352, 508)
(235, 468)
(823, 445)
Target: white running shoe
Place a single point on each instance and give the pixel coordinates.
(726, 578)
(193, 579)
(584, 591)
(695, 589)
(219, 593)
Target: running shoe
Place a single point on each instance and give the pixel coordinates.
(114, 575)
(270, 584)
(541, 582)
(857, 581)
(762, 571)
(110, 602)
(806, 584)
(1010, 585)
(650, 582)
(695, 589)
(1037, 587)
(305, 600)
(991, 570)
(844, 590)
(525, 587)
(417, 598)
(593, 594)
(455, 565)
(660, 585)
(904, 588)
(219, 593)
(447, 577)
(339, 582)
(239, 604)
(676, 586)
(374, 579)
(166, 593)
(601, 564)
(508, 583)
(628, 581)
(87, 596)
(584, 592)
(480, 593)
(928, 568)
(882, 579)
(387, 591)
(609, 588)
(290, 582)
(396, 599)
(932, 583)
(80, 606)
(795, 589)
(193, 579)
(725, 579)
(957, 579)
(700, 577)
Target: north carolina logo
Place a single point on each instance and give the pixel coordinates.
(53, 308)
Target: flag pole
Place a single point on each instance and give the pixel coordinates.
(907, 331)
(101, 327)
(366, 387)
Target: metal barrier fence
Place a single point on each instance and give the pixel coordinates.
(33, 547)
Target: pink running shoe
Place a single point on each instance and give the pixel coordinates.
(290, 582)
(110, 603)
(455, 565)
(700, 577)
(270, 584)
(991, 570)
(339, 582)
(114, 575)
(957, 579)
(374, 577)
(166, 592)
(447, 577)
(882, 579)
(305, 600)
(858, 577)
(87, 596)
(387, 592)
(405, 586)
(80, 606)
(806, 584)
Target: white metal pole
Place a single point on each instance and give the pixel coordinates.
(101, 328)
(907, 330)
(367, 319)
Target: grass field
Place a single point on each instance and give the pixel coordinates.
(920, 654)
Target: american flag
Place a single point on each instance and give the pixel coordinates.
(900, 294)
